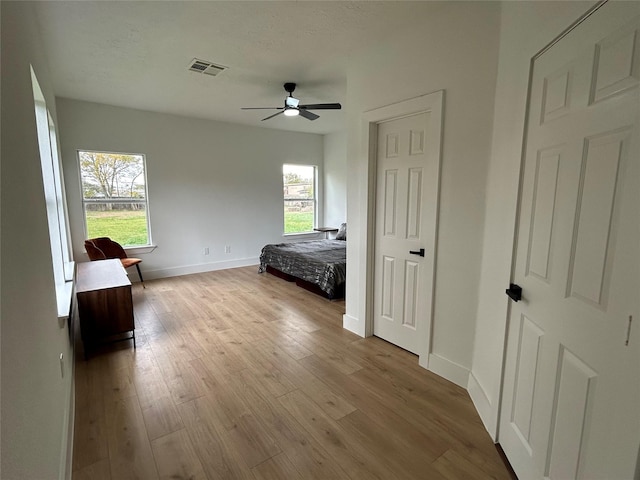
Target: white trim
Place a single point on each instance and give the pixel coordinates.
(64, 296)
(69, 270)
(141, 249)
(143, 201)
(289, 236)
(433, 103)
(133, 251)
(352, 324)
(316, 191)
(450, 370)
(66, 457)
(483, 406)
(200, 268)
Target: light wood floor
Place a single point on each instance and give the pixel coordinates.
(243, 375)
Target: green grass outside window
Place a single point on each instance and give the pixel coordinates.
(130, 228)
(298, 222)
(125, 227)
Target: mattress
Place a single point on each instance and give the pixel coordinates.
(320, 262)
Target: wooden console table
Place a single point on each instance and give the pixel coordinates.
(105, 305)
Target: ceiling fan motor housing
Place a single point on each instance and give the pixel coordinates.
(291, 102)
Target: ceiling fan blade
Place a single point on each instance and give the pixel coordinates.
(261, 108)
(274, 115)
(321, 106)
(308, 115)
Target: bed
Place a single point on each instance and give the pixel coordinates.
(316, 265)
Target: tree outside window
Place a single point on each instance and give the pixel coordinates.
(114, 193)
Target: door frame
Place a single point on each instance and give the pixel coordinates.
(432, 103)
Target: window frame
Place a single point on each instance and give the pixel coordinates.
(314, 199)
(62, 211)
(55, 201)
(145, 201)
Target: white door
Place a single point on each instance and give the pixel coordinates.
(402, 278)
(571, 396)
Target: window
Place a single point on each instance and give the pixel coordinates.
(114, 197)
(299, 186)
(54, 200)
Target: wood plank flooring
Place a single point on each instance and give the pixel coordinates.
(240, 375)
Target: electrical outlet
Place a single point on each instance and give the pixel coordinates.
(206, 250)
(227, 249)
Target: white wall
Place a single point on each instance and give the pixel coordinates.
(455, 48)
(335, 179)
(210, 184)
(36, 400)
(525, 28)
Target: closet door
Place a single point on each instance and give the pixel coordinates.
(572, 378)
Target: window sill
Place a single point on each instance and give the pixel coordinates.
(64, 294)
(140, 249)
(305, 234)
(137, 250)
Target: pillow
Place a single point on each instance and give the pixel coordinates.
(342, 232)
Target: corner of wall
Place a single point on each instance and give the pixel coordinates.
(353, 325)
(483, 405)
(447, 369)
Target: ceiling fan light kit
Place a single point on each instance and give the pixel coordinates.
(292, 107)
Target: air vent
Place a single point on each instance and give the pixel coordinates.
(202, 66)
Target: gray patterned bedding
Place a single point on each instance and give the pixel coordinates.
(320, 262)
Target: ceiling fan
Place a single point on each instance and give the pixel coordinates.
(292, 106)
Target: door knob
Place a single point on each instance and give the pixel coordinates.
(417, 252)
(515, 292)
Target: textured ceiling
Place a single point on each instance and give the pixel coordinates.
(135, 54)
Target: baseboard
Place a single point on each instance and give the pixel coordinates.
(66, 455)
(450, 370)
(352, 324)
(199, 268)
(483, 406)
(65, 471)
(70, 436)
